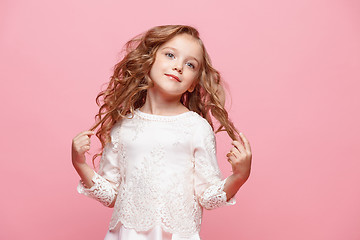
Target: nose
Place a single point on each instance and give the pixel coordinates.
(177, 67)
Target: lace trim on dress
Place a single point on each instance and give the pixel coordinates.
(215, 196)
(102, 190)
(162, 118)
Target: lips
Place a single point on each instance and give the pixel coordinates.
(174, 77)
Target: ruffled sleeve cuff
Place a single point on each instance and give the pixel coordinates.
(215, 196)
(102, 190)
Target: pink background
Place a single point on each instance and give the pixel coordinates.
(293, 68)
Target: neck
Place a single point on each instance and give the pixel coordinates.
(154, 104)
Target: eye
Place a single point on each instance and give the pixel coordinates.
(191, 65)
(170, 55)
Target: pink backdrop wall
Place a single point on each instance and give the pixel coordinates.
(293, 68)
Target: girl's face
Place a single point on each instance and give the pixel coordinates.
(177, 64)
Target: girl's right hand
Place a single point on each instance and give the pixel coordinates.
(80, 145)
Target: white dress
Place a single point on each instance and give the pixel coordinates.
(161, 171)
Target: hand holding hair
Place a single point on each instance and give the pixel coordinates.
(240, 158)
(81, 145)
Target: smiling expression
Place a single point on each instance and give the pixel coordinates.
(176, 67)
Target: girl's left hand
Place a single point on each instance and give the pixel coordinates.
(240, 158)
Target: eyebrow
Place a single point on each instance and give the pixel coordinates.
(174, 49)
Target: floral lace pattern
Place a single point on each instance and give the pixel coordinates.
(214, 196)
(162, 170)
(102, 190)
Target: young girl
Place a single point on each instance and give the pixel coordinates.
(158, 167)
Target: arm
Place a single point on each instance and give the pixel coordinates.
(80, 145)
(240, 159)
(209, 186)
(102, 186)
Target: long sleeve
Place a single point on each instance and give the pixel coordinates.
(209, 186)
(107, 179)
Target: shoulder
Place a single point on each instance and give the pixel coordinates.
(119, 123)
(203, 122)
(115, 130)
(203, 135)
(200, 125)
(116, 126)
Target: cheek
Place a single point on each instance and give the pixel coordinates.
(158, 66)
(192, 76)
(161, 64)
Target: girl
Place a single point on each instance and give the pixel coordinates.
(158, 167)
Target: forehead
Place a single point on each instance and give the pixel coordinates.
(186, 45)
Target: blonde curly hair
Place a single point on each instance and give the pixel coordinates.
(128, 86)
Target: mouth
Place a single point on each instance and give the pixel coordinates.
(173, 77)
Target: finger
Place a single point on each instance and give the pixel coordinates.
(82, 138)
(234, 151)
(85, 148)
(231, 159)
(85, 133)
(88, 133)
(81, 141)
(234, 155)
(84, 142)
(246, 142)
(238, 145)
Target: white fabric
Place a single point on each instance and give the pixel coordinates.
(121, 232)
(161, 171)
